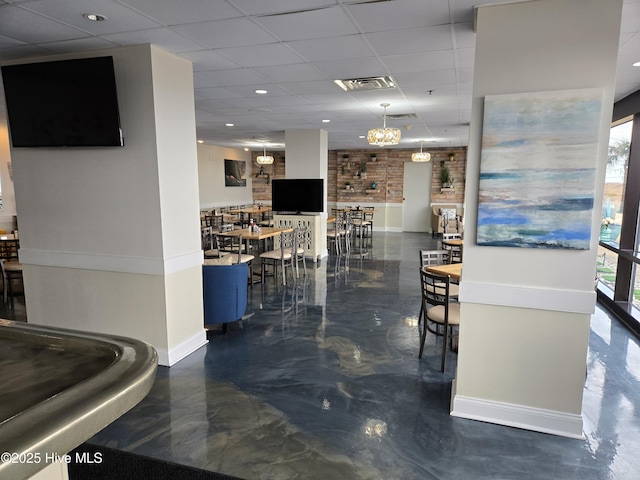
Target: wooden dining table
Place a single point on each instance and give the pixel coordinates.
(454, 270)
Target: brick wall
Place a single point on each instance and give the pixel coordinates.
(387, 171)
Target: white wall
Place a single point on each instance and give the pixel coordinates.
(213, 193)
(526, 312)
(106, 232)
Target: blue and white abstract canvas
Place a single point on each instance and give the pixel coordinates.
(538, 168)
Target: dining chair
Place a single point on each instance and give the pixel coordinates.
(441, 315)
(12, 283)
(455, 252)
(303, 242)
(280, 256)
(359, 224)
(334, 235)
(437, 257)
(368, 220)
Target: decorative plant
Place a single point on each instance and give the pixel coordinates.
(452, 157)
(445, 176)
(363, 167)
(374, 156)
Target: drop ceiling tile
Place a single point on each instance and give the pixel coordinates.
(235, 32)
(163, 37)
(411, 40)
(298, 72)
(30, 27)
(268, 7)
(238, 76)
(261, 55)
(215, 93)
(79, 45)
(326, 22)
(9, 42)
(119, 17)
(171, 12)
(332, 48)
(419, 62)
(205, 60)
(399, 14)
(249, 91)
(352, 68)
(311, 88)
(23, 51)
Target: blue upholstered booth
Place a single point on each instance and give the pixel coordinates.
(225, 293)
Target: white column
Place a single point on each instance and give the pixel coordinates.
(525, 312)
(110, 238)
(306, 156)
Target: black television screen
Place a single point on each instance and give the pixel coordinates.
(297, 195)
(67, 103)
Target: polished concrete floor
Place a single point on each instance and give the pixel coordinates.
(323, 382)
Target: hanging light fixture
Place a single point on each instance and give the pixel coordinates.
(420, 156)
(264, 159)
(384, 136)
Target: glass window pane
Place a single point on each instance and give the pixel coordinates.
(617, 160)
(607, 264)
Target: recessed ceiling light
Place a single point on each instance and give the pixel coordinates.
(94, 17)
(637, 64)
(326, 121)
(229, 124)
(200, 141)
(260, 91)
(361, 136)
(246, 149)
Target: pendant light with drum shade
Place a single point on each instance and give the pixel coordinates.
(384, 136)
(420, 156)
(264, 159)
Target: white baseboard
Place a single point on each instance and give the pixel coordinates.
(519, 416)
(167, 358)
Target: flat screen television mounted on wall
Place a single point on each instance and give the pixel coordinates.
(297, 195)
(66, 103)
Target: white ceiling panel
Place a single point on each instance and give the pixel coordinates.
(333, 48)
(268, 7)
(28, 27)
(121, 18)
(400, 14)
(206, 60)
(325, 22)
(353, 68)
(261, 55)
(162, 37)
(420, 62)
(411, 40)
(235, 32)
(171, 12)
(299, 72)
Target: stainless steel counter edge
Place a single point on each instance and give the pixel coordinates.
(64, 421)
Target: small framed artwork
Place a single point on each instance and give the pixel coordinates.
(235, 173)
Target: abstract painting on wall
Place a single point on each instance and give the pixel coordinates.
(234, 173)
(537, 169)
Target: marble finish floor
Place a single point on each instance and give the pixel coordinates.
(323, 382)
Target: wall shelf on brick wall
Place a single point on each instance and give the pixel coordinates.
(447, 190)
(372, 191)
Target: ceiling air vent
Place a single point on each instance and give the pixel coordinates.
(402, 116)
(367, 83)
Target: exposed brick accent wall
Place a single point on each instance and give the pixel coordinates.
(387, 171)
(457, 170)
